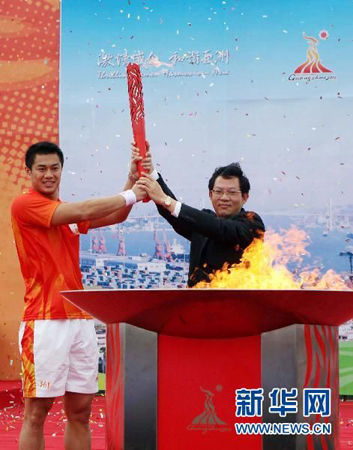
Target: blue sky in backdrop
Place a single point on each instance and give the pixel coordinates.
(227, 97)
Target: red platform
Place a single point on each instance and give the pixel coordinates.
(209, 343)
(214, 313)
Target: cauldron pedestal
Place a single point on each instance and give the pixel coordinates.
(176, 357)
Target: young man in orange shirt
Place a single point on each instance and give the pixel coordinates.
(57, 340)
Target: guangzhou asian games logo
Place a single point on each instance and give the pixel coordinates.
(208, 420)
(313, 69)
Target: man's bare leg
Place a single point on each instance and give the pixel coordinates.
(35, 413)
(78, 411)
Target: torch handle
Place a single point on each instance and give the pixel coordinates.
(140, 143)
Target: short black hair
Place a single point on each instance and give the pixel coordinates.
(42, 148)
(230, 171)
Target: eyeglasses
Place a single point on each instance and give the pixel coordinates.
(229, 192)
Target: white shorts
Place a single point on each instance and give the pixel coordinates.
(58, 356)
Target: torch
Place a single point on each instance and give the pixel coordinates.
(137, 112)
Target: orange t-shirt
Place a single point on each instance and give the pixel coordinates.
(49, 258)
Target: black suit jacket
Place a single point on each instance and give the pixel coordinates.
(214, 240)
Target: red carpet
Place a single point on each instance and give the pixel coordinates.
(11, 410)
(346, 425)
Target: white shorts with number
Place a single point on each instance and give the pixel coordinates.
(58, 356)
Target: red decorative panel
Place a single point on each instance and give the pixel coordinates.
(321, 343)
(29, 81)
(197, 379)
(114, 391)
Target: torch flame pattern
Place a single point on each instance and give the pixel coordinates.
(135, 92)
(312, 63)
(137, 110)
(27, 356)
(321, 344)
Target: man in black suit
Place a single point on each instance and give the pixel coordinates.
(218, 236)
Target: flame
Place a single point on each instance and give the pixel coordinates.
(264, 265)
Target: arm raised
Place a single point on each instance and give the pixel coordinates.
(98, 210)
(104, 211)
(93, 209)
